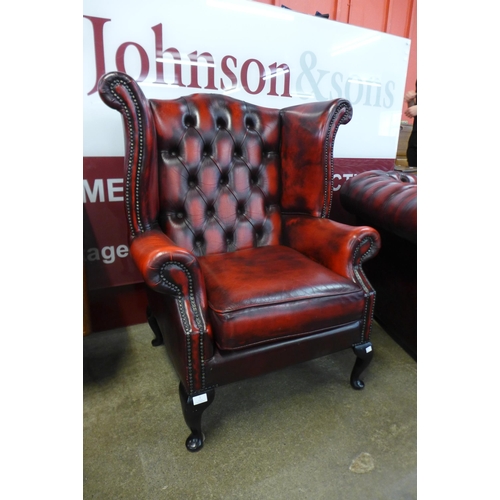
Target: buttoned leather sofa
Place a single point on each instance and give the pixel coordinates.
(387, 201)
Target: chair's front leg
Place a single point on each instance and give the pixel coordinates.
(364, 355)
(192, 409)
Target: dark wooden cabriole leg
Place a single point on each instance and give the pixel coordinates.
(158, 340)
(364, 355)
(192, 409)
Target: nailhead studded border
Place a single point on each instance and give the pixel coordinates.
(346, 111)
(140, 128)
(185, 320)
(370, 295)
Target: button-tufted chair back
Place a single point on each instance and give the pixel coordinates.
(219, 173)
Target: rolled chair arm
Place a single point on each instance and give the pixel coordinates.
(175, 272)
(343, 248)
(169, 269)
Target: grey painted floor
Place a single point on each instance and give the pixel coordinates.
(302, 433)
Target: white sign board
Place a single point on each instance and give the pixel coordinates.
(259, 53)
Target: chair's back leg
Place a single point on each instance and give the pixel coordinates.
(158, 340)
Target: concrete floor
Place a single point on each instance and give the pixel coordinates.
(302, 433)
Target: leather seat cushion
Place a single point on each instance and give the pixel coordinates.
(263, 294)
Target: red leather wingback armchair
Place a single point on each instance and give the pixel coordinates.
(228, 208)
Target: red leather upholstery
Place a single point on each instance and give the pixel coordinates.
(219, 173)
(285, 295)
(228, 205)
(384, 199)
(388, 201)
